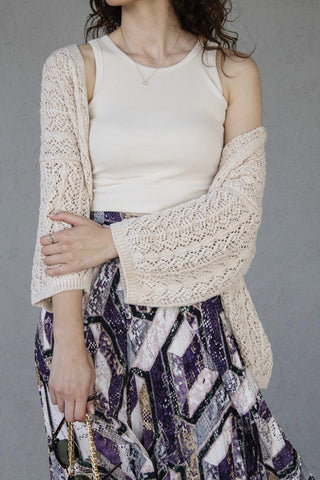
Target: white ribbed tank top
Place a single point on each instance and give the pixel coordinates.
(153, 146)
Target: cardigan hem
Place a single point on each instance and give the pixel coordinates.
(43, 298)
(128, 277)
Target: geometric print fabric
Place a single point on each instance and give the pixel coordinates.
(173, 399)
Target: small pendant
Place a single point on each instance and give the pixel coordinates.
(145, 82)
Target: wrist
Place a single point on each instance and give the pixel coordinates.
(69, 353)
(69, 340)
(68, 332)
(109, 247)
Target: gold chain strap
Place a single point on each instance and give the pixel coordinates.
(71, 448)
(92, 449)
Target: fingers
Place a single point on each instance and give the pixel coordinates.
(90, 404)
(90, 407)
(72, 388)
(91, 397)
(61, 404)
(81, 408)
(52, 249)
(58, 236)
(63, 260)
(54, 259)
(69, 411)
(68, 217)
(44, 240)
(74, 410)
(53, 396)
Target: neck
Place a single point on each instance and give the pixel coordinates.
(150, 30)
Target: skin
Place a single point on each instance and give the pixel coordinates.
(150, 28)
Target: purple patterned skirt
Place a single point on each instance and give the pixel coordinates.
(173, 397)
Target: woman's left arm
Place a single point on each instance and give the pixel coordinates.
(244, 114)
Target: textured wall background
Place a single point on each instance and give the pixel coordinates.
(284, 277)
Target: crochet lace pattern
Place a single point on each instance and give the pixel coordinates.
(203, 247)
(177, 256)
(63, 179)
(200, 248)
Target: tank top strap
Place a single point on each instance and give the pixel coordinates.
(210, 58)
(96, 47)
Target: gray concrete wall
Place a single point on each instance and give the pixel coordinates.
(284, 277)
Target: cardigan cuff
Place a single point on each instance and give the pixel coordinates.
(128, 277)
(43, 298)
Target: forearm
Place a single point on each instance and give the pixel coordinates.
(68, 318)
(72, 371)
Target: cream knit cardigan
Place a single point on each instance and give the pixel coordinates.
(173, 257)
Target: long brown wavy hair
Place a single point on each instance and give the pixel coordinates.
(204, 18)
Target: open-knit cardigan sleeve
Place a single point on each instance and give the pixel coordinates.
(62, 184)
(200, 248)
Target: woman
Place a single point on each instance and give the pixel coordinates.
(139, 324)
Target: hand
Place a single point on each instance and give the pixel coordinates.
(71, 382)
(87, 244)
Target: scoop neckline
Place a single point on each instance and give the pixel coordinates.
(121, 53)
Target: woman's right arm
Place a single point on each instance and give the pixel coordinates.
(62, 188)
(63, 185)
(72, 372)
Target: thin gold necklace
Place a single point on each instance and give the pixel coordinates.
(145, 81)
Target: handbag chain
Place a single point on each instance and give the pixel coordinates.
(92, 449)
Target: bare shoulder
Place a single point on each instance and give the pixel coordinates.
(90, 67)
(241, 82)
(236, 73)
